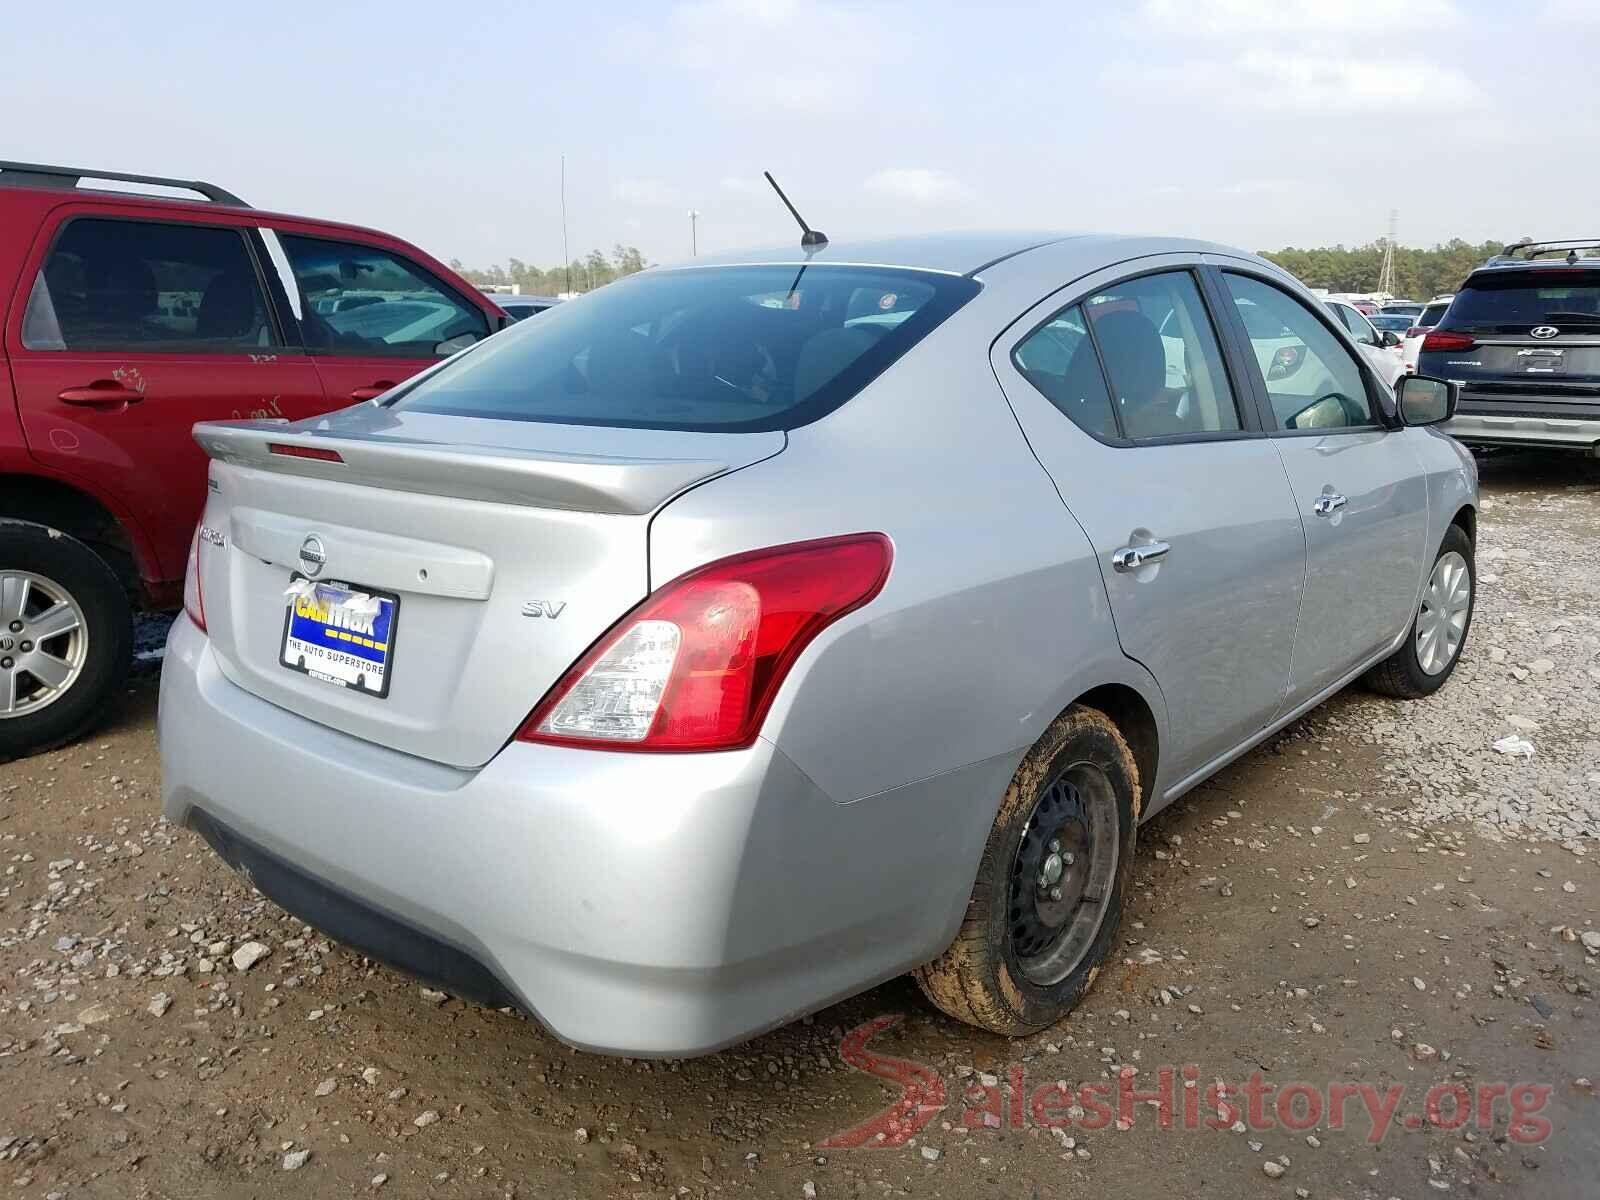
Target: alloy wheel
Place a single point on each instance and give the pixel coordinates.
(44, 642)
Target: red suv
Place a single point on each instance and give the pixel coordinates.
(127, 319)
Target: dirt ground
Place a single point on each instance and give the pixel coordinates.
(1374, 898)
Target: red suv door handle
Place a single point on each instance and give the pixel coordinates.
(102, 393)
(371, 391)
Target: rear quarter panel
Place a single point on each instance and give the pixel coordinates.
(994, 617)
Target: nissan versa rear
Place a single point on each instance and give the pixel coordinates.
(745, 634)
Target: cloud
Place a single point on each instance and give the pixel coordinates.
(1568, 13)
(644, 191)
(1256, 19)
(916, 185)
(1264, 83)
(776, 55)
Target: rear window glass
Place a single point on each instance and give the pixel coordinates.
(1430, 315)
(733, 349)
(1519, 299)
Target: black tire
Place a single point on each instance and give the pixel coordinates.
(71, 567)
(983, 978)
(1402, 673)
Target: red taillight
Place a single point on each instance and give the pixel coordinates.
(316, 452)
(699, 662)
(1440, 339)
(194, 601)
(1415, 331)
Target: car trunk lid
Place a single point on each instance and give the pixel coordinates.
(475, 559)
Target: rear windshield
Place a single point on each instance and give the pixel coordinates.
(1520, 299)
(1393, 322)
(732, 349)
(1430, 315)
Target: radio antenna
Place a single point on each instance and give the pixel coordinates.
(810, 239)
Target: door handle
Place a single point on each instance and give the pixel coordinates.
(102, 393)
(371, 391)
(1328, 503)
(1131, 558)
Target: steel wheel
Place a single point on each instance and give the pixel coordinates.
(1063, 875)
(1442, 620)
(44, 642)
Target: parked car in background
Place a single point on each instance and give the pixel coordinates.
(1381, 347)
(679, 663)
(1402, 308)
(1388, 322)
(1430, 315)
(1522, 336)
(127, 318)
(520, 307)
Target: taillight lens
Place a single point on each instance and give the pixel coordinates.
(1440, 339)
(698, 663)
(1415, 331)
(194, 602)
(1286, 361)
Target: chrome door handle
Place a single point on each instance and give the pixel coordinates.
(1131, 558)
(1328, 503)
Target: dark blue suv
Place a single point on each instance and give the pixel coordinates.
(1522, 336)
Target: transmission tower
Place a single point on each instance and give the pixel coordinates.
(1386, 273)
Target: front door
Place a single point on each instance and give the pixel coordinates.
(1359, 486)
(1126, 400)
(134, 330)
(371, 317)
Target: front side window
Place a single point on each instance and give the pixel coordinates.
(1161, 357)
(1312, 380)
(730, 349)
(360, 301)
(137, 286)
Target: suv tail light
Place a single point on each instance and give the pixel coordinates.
(194, 602)
(1441, 339)
(697, 664)
(1415, 331)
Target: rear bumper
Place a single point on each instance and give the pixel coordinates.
(632, 903)
(1525, 429)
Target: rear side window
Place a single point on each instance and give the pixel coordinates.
(734, 349)
(361, 301)
(1059, 359)
(143, 286)
(1510, 301)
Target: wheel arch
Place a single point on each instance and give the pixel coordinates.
(1467, 519)
(1135, 719)
(72, 510)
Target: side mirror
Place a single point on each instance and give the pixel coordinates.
(453, 345)
(1426, 401)
(1391, 339)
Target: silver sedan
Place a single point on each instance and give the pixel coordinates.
(747, 633)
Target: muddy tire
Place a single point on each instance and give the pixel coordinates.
(1438, 632)
(66, 636)
(1048, 898)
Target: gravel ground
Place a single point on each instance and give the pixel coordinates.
(1377, 897)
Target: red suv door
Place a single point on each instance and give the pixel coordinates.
(135, 328)
(372, 315)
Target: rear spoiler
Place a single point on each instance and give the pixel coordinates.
(539, 479)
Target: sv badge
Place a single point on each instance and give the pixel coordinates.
(543, 608)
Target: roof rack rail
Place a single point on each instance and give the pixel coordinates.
(1526, 251)
(20, 174)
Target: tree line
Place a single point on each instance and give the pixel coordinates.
(1419, 274)
(595, 269)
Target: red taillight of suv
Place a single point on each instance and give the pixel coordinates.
(1443, 339)
(697, 665)
(1416, 331)
(194, 602)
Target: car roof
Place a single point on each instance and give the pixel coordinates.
(948, 253)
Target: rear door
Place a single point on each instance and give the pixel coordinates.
(370, 315)
(132, 330)
(1126, 400)
(1358, 486)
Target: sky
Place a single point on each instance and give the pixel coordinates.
(1258, 123)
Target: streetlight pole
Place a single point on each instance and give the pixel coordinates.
(694, 233)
